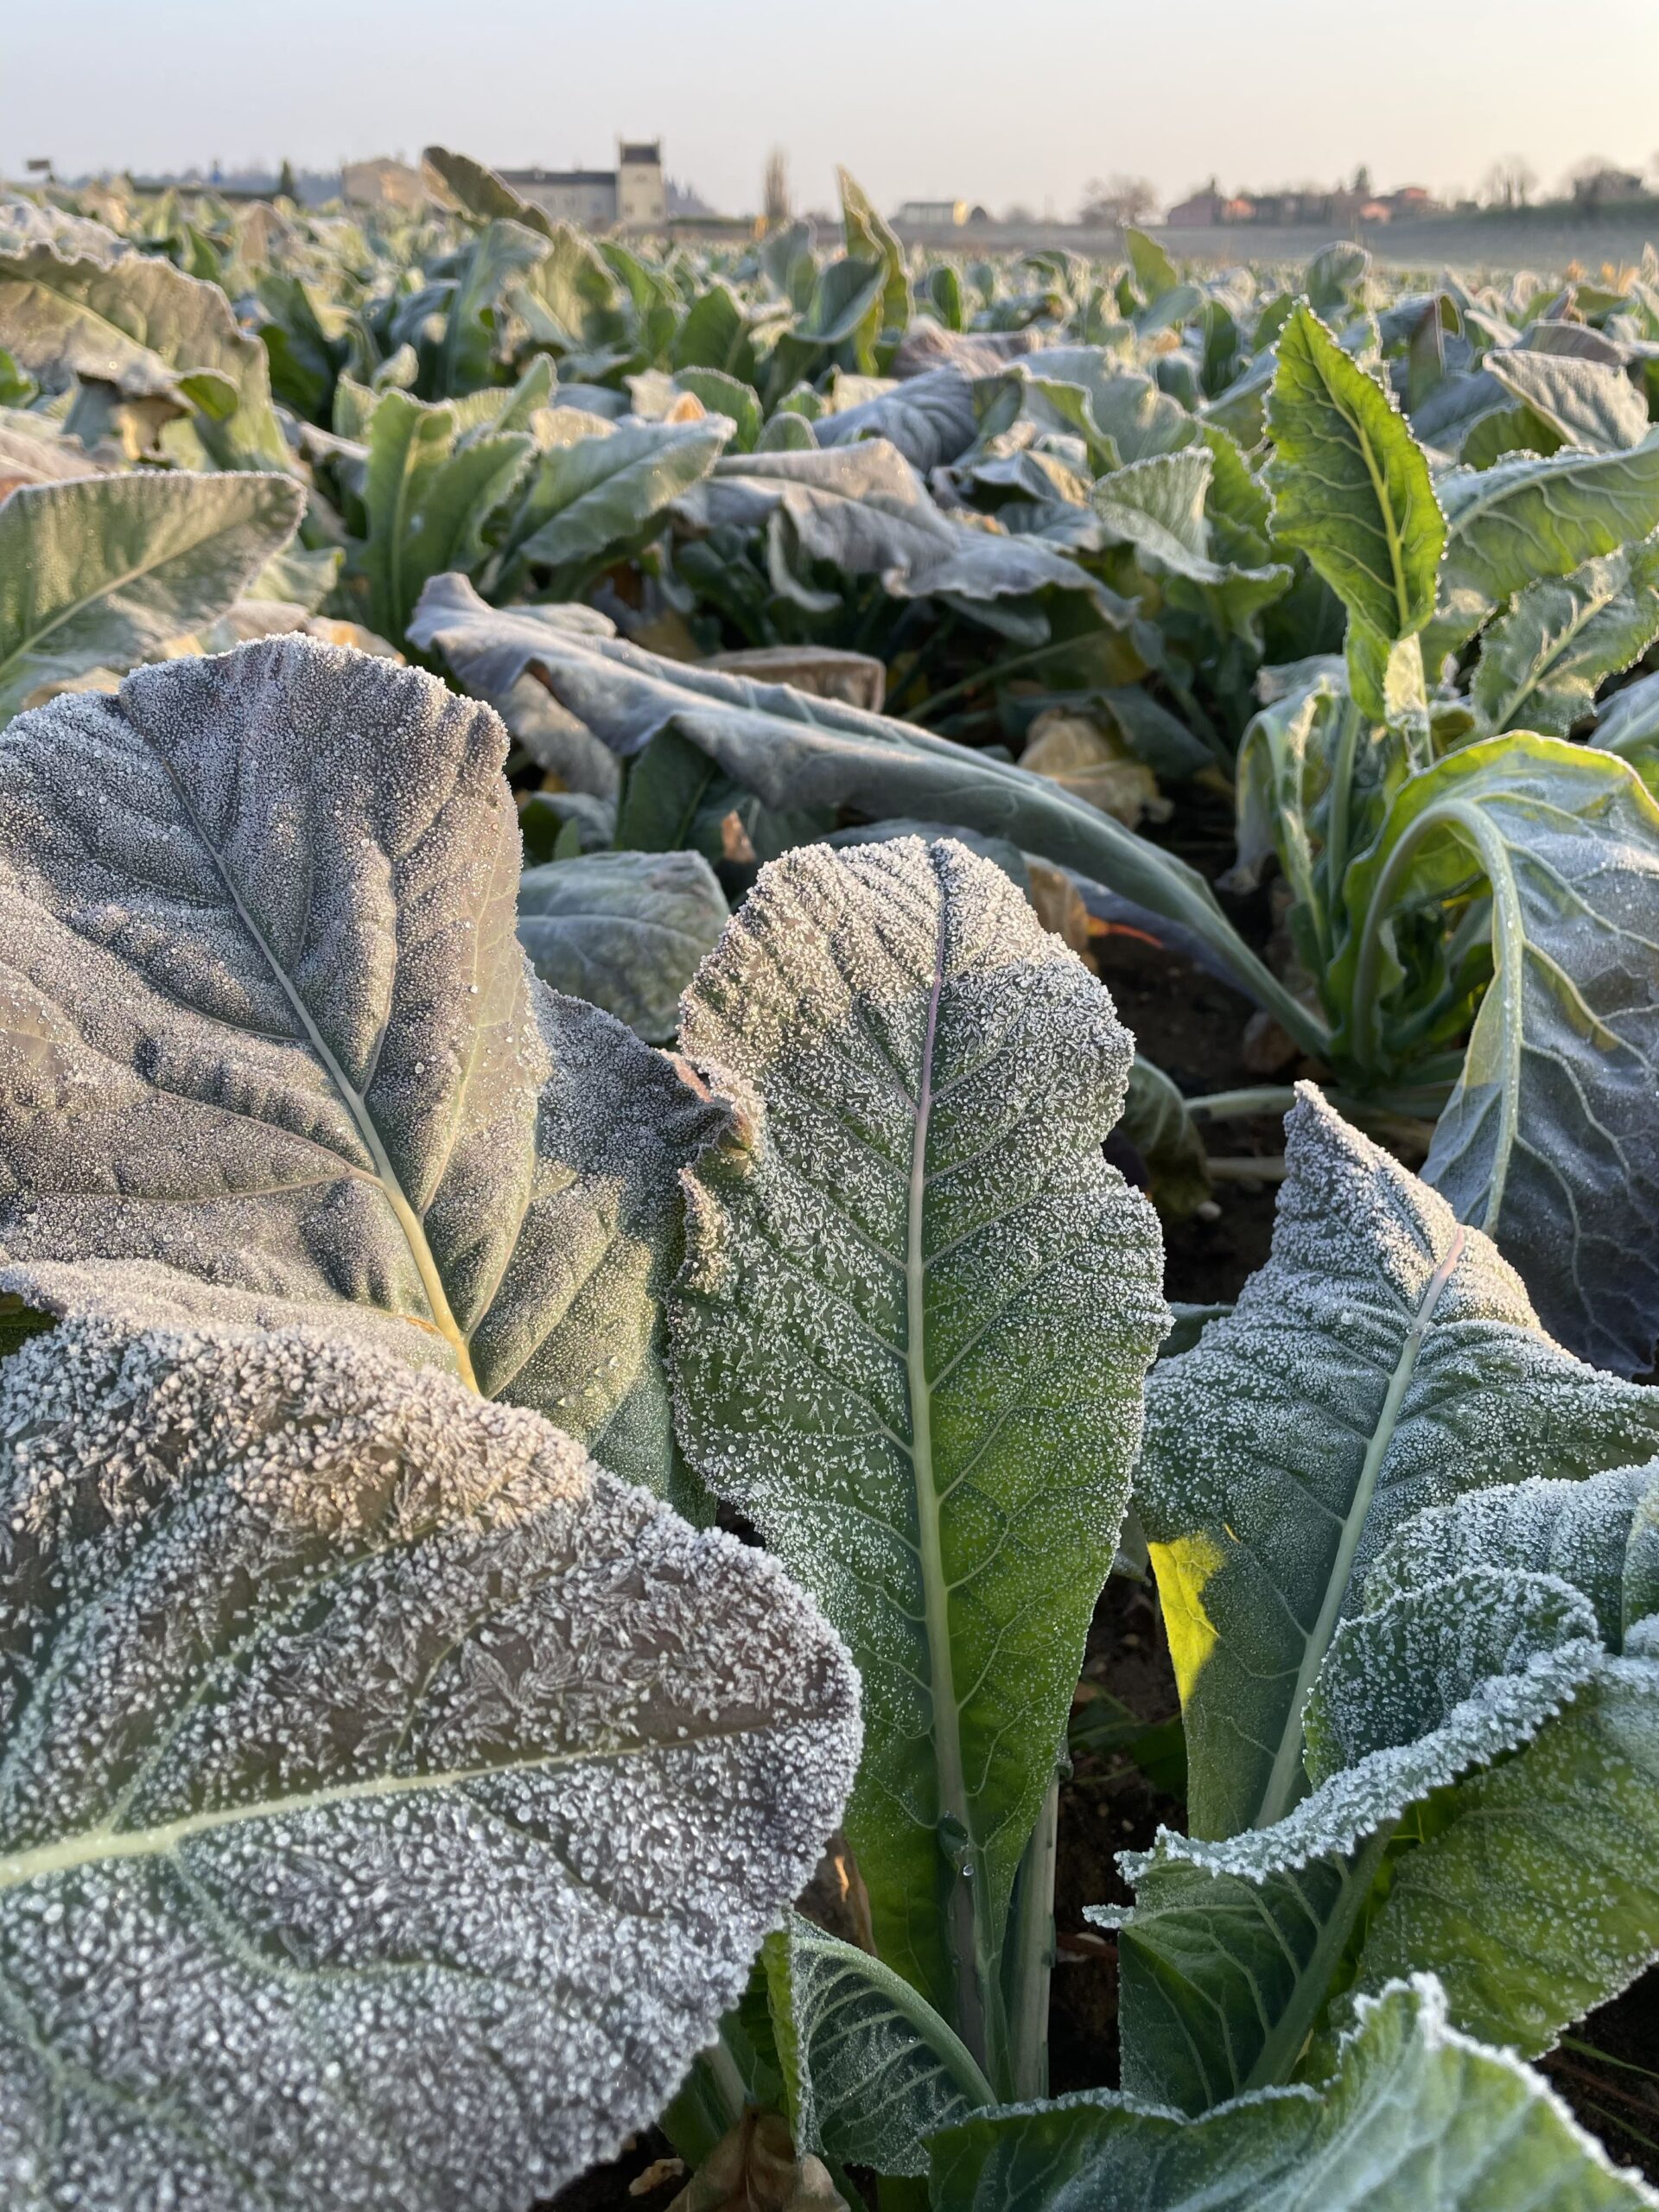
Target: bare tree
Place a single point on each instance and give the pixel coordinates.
(776, 189)
(1509, 183)
(1118, 201)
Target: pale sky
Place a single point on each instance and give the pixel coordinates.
(1001, 101)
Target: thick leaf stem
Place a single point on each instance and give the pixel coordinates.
(966, 1878)
(1032, 1957)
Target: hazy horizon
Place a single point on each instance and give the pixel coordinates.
(918, 104)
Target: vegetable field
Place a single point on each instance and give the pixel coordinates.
(662, 1500)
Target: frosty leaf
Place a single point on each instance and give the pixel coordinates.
(1529, 517)
(427, 497)
(793, 751)
(1384, 1359)
(1525, 1887)
(103, 571)
(872, 2068)
(909, 1342)
(268, 1042)
(1589, 405)
(1550, 1142)
(1416, 2118)
(625, 930)
(389, 1800)
(1542, 663)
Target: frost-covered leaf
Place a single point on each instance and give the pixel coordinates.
(1490, 1722)
(427, 497)
(74, 300)
(594, 498)
(1351, 489)
(929, 419)
(480, 193)
(1542, 663)
(795, 752)
(1416, 2118)
(1628, 721)
(624, 930)
(1529, 517)
(270, 1046)
(390, 1800)
(863, 510)
(1550, 1141)
(1589, 405)
(102, 571)
(871, 2068)
(1385, 1358)
(1156, 1122)
(909, 1342)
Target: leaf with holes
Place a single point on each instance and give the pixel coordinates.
(270, 1049)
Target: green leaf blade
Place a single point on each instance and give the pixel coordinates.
(947, 1303)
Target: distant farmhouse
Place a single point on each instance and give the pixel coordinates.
(1209, 209)
(633, 194)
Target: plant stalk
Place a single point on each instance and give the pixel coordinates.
(1032, 1959)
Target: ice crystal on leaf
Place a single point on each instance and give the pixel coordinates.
(269, 1050)
(390, 1800)
(910, 1336)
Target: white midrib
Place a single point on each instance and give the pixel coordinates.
(409, 1222)
(935, 1595)
(95, 1846)
(1283, 1785)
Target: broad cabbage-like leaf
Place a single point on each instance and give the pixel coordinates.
(481, 193)
(863, 510)
(102, 571)
(1589, 405)
(597, 495)
(929, 419)
(1351, 489)
(909, 1341)
(391, 1800)
(791, 751)
(1528, 518)
(1550, 1142)
(77, 300)
(271, 1049)
(870, 2067)
(1541, 663)
(1385, 1358)
(624, 930)
(427, 496)
(1485, 1738)
(1416, 2118)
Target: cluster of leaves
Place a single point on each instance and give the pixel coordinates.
(383, 1326)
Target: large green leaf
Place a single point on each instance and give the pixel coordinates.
(1351, 489)
(481, 193)
(871, 2069)
(257, 936)
(1415, 2119)
(100, 571)
(1384, 1358)
(1541, 663)
(929, 419)
(428, 499)
(624, 930)
(796, 752)
(391, 1800)
(1528, 518)
(1549, 1143)
(863, 510)
(596, 497)
(1485, 1738)
(909, 1342)
(472, 344)
(75, 300)
(1588, 404)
